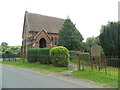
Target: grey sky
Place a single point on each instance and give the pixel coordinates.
(88, 15)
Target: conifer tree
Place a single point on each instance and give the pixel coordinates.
(69, 36)
(109, 38)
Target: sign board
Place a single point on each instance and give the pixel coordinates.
(78, 52)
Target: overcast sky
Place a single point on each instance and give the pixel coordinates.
(88, 15)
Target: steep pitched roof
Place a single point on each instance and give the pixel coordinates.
(37, 22)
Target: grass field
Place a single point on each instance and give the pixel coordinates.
(19, 63)
(105, 79)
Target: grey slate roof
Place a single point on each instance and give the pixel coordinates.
(38, 22)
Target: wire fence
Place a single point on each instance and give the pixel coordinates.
(8, 57)
(108, 65)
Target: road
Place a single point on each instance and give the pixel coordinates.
(1, 59)
(0, 76)
(13, 77)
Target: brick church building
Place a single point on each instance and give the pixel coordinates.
(40, 31)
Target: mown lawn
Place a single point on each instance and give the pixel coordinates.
(104, 79)
(109, 69)
(19, 63)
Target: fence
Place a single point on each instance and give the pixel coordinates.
(108, 65)
(8, 57)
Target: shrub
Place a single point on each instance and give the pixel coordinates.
(39, 55)
(59, 56)
(85, 55)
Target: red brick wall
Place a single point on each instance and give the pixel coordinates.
(54, 35)
(44, 35)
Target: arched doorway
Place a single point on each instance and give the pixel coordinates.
(42, 43)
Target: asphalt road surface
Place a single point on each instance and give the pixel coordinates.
(1, 59)
(13, 77)
(0, 76)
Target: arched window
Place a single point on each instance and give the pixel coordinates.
(42, 43)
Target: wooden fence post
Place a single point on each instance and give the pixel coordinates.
(99, 63)
(91, 63)
(78, 62)
(105, 65)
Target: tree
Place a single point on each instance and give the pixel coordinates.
(83, 46)
(92, 40)
(13, 49)
(4, 46)
(69, 36)
(9, 49)
(109, 38)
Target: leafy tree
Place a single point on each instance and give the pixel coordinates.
(109, 38)
(4, 46)
(0, 51)
(13, 49)
(83, 46)
(92, 40)
(69, 36)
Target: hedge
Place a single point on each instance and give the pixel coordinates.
(59, 56)
(85, 55)
(39, 55)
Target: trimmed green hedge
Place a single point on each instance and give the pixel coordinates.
(59, 56)
(39, 55)
(85, 55)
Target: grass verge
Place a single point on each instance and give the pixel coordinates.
(74, 63)
(104, 79)
(19, 63)
(109, 69)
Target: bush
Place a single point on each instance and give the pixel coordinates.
(73, 56)
(85, 55)
(39, 55)
(59, 56)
